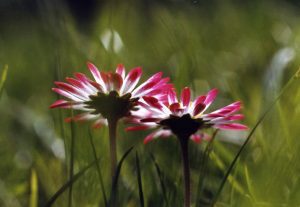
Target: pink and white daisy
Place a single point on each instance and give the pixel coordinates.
(185, 118)
(108, 98)
(111, 95)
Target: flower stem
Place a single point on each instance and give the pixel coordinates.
(112, 127)
(184, 143)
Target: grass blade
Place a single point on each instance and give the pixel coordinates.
(203, 166)
(33, 189)
(269, 108)
(249, 185)
(69, 183)
(114, 189)
(3, 78)
(98, 169)
(139, 179)
(163, 188)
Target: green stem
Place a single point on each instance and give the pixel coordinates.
(184, 143)
(112, 127)
(71, 172)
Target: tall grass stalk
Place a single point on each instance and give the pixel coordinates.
(3, 78)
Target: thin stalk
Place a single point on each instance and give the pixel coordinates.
(161, 179)
(184, 143)
(112, 127)
(139, 178)
(71, 172)
(3, 78)
(203, 168)
(114, 188)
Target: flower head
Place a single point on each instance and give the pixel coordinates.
(111, 95)
(184, 118)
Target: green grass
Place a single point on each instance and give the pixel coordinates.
(229, 46)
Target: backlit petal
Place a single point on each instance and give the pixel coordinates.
(185, 96)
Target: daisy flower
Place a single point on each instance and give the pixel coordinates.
(185, 119)
(109, 97)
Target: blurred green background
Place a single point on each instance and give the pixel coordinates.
(246, 49)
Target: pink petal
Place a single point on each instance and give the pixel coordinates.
(199, 100)
(210, 97)
(134, 74)
(149, 138)
(229, 109)
(75, 82)
(82, 77)
(213, 115)
(121, 70)
(104, 76)
(186, 96)
(142, 104)
(71, 89)
(232, 126)
(161, 93)
(198, 109)
(66, 94)
(225, 119)
(137, 128)
(60, 103)
(156, 77)
(152, 102)
(116, 80)
(85, 81)
(162, 83)
(235, 117)
(150, 119)
(131, 80)
(158, 133)
(172, 98)
(81, 85)
(96, 85)
(174, 107)
(144, 88)
(197, 138)
(96, 74)
(154, 92)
